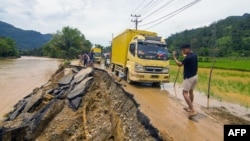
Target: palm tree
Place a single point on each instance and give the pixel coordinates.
(67, 44)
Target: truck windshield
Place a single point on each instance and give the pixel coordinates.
(97, 54)
(152, 51)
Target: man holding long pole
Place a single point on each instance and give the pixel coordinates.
(190, 77)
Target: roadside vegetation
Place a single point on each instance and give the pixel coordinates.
(224, 38)
(66, 44)
(232, 63)
(229, 82)
(8, 48)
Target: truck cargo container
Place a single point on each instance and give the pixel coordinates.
(141, 56)
(98, 54)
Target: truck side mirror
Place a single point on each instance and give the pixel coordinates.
(132, 49)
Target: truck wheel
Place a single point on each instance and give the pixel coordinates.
(112, 67)
(127, 78)
(116, 73)
(156, 84)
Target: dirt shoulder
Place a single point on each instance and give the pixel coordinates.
(223, 116)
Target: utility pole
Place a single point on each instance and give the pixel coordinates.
(136, 20)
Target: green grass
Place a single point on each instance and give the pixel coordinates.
(229, 64)
(229, 82)
(241, 64)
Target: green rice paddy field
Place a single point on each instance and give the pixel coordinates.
(230, 79)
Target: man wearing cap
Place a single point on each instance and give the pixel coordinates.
(190, 77)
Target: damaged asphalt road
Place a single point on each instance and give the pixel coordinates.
(79, 104)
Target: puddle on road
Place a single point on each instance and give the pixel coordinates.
(200, 99)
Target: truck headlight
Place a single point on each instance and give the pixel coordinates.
(165, 69)
(139, 68)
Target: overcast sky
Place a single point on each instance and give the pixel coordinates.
(99, 20)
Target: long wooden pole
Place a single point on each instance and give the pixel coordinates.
(176, 80)
(209, 82)
(177, 76)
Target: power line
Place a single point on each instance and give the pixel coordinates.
(154, 4)
(148, 4)
(176, 11)
(128, 21)
(168, 16)
(145, 5)
(166, 4)
(134, 11)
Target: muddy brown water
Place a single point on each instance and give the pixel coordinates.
(18, 77)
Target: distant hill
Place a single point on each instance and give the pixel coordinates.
(227, 37)
(25, 39)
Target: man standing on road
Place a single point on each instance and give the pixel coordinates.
(190, 77)
(92, 58)
(85, 59)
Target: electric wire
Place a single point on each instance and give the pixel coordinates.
(157, 2)
(128, 23)
(152, 4)
(166, 4)
(145, 7)
(134, 11)
(176, 11)
(170, 15)
(149, 5)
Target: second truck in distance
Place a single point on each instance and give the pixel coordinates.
(142, 56)
(98, 54)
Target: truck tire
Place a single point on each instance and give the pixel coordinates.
(127, 78)
(156, 84)
(112, 67)
(116, 73)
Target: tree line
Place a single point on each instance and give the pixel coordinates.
(228, 37)
(67, 43)
(8, 47)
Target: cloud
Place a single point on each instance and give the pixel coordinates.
(98, 20)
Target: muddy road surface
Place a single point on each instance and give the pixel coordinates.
(164, 107)
(110, 109)
(166, 114)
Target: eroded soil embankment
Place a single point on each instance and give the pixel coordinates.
(107, 112)
(113, 114)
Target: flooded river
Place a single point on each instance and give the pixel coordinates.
(18, 77)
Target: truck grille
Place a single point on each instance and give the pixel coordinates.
(153, 69)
